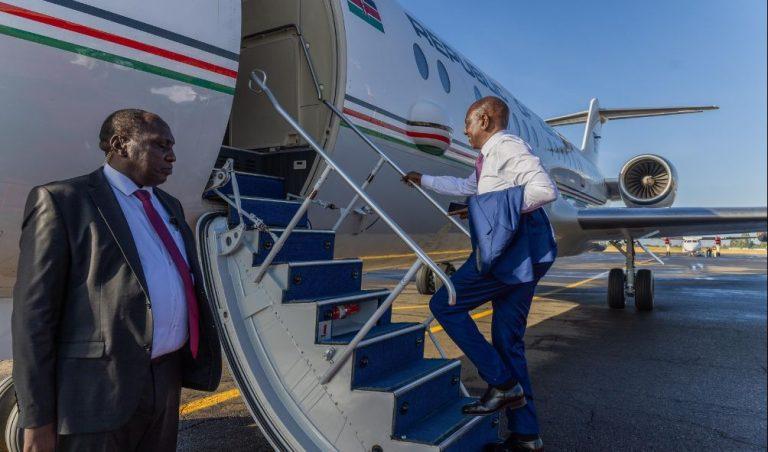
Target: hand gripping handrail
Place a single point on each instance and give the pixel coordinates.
(423, 258)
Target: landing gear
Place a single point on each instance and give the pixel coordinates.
(616, 283)
(11, 435)
(644, 290)
(427, 282)
(630, 283)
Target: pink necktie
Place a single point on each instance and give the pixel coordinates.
(181, 266)
(479, 165)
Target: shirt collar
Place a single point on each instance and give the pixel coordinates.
(492, 141)
(122, 182)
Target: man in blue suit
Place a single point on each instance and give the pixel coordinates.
(513, 247)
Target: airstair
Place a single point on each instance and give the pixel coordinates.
(317, 358)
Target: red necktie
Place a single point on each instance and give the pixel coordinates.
(181, 266)
(479, 165)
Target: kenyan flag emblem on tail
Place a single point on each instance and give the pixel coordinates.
(366, 10)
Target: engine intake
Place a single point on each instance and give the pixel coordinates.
(648, 181)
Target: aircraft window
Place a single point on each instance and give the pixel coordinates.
(478, 96)
(421, 61)
(444, 78)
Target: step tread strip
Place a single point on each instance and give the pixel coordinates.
(425, 378)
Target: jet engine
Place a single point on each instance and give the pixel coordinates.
(648, 181)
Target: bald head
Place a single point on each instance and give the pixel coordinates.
(484, 118)
(496, 109)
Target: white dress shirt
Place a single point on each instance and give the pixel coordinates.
(166, 289)
(507, 162)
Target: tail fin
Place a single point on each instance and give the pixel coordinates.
(592, 129)
(596, 116)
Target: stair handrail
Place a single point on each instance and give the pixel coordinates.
(423, 258)
(366, 140)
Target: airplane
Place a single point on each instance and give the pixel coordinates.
(692, 245)
(324, 103)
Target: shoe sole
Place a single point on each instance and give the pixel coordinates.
(512, 405)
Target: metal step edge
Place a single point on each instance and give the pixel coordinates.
(267, 176)
(434, 374)
(384, 337)
(305, 231)
(322, 263)
(455, 436)
(258, 198)
(357, 297)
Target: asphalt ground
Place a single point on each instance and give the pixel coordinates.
(691, 375)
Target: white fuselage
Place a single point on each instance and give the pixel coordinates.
(67, 65)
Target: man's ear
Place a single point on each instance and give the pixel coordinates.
(118, 145)
(485, 121)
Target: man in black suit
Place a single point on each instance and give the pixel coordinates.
(109, 317)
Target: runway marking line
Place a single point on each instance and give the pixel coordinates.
(215, 399)
(207, 402)
(489, 311)
(393, 256)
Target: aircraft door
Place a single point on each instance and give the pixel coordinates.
(254, 123)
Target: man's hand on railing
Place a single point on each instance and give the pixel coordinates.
(412, 178)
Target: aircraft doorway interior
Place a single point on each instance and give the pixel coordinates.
(261, 141)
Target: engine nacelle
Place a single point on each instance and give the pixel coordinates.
(648, 181)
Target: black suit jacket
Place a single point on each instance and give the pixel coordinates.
(82, 317)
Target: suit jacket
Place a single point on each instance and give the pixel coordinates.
(509, 243)
(82, 318)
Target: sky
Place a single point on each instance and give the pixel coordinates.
(555, 56)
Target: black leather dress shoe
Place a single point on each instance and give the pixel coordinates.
(495, 399)
(517, 445)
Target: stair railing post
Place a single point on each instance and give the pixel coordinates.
(345, 212)
(262, 88)
(370, 323)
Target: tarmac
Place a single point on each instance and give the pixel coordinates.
(689, 375)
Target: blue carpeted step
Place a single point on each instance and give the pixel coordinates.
(339, 316)
(448, 426)
(313, 280)
(421, 397)
(375, 358)
(474, 436)
(273, 212)
(390, 381)
(302, 245)
(253, 185)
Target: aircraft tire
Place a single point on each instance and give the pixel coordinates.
(14, 435)
(9, 419)
(425, 281)
(616, 296)
(644, 287)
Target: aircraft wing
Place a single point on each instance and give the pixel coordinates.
(616, 222)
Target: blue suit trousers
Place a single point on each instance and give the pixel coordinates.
(505, 359)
